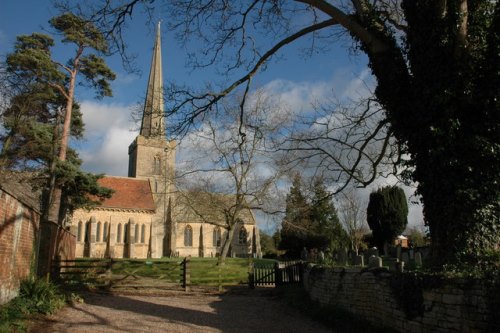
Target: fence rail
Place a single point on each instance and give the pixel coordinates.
(281, 273)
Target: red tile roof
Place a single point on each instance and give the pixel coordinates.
(130, 193)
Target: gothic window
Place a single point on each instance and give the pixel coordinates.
(188, 236)
(157, 165)
(143, 233)
(79, 231)
(126, 233)
(119, 233)
(98, 232)
(105, 232)
(87, 232)
(242, 239)
(217, 237)
(136, 236)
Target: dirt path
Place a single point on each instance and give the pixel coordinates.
(239, 313)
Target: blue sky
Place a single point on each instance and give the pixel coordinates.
(109, 129)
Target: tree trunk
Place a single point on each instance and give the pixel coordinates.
(227, 244)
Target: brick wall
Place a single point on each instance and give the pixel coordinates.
(18, 230)
(383, 298)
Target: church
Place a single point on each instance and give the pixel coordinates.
(146, 217)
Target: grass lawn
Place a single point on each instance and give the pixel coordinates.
(203, 271)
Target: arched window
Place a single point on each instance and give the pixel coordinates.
(98, 232)
(119, 233)
(143, 233)
(79, 231)
(217, 237)
(105, 232)
(126, 234)
(157, 165)
(242, 239)
(136, 236)
(87, 232)
(188, 236)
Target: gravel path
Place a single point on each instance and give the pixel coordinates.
(231, 312)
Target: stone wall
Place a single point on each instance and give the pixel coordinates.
(18, 231)
(407, 303)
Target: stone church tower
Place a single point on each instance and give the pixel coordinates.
(152, 157)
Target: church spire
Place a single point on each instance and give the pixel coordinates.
(153, 124)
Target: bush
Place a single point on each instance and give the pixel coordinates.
(35, 296)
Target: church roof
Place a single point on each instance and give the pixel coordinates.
(130, 193)
(200, 206)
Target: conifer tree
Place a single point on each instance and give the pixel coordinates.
(296, 225)
(32, 61)
(387, 214)
(328, 233)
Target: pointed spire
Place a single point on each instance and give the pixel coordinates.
(153, 124)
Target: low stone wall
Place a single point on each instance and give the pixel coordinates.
(407, 302)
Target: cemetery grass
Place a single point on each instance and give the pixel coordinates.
(335, 318)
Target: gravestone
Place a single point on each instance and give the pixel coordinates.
(418, 259)
(342, 257)
(392, 263)
(375, 262)
(359, 261)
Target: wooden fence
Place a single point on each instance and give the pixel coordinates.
(122, 274)
(281, 273)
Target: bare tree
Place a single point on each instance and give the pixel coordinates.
(352, 215)
(231, 171)
(436, 64)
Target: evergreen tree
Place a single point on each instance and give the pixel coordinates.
(32, 62)
(328, 232)
(296, 225)
(387, 214)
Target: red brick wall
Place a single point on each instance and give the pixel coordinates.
(18, 231)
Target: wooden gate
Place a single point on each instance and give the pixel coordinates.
(120, 274)
(281, 273)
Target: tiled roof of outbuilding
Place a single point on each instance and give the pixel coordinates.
(130, 193)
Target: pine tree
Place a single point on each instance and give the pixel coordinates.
(32, 62)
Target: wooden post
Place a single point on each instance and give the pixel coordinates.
(186, 274)
(220, 278)
(251, 275)
(277, 274)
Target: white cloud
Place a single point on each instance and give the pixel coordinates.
(107, 137)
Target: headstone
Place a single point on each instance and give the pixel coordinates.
(400, 266)
(375, 262)
(412, 254)
(321, 256)
(393, 264)
(418, 259)
(359, 261)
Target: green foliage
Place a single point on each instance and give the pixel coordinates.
(387, 214)
(42, 100)
(268, 245)
(326, 223)
(296, 224)
(310, 223)
(35, 296)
